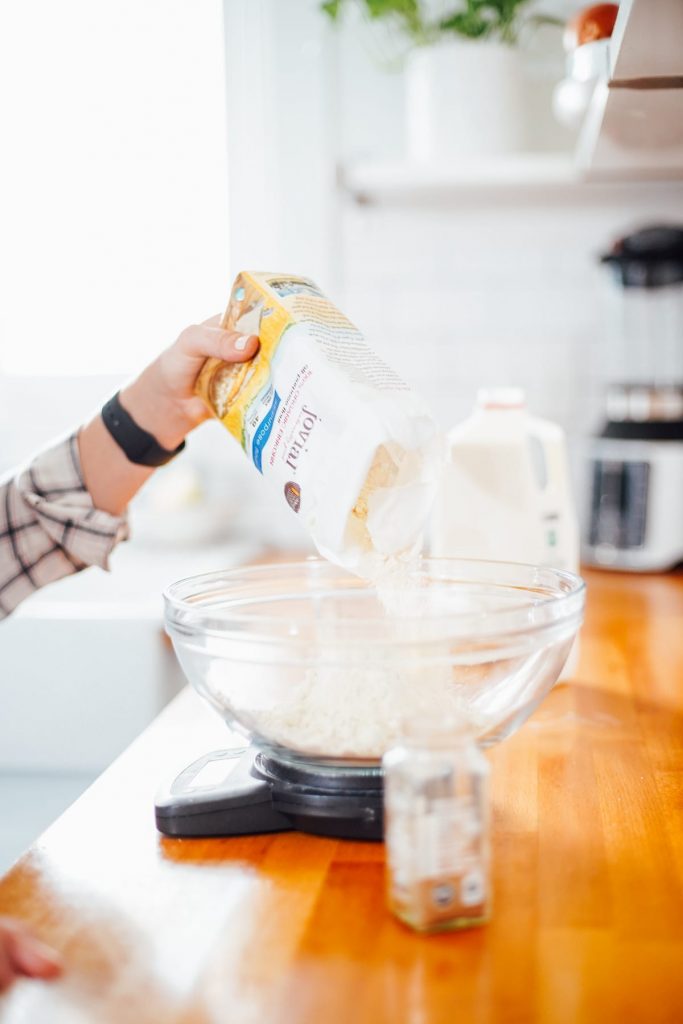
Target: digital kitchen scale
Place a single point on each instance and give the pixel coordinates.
(245, 791)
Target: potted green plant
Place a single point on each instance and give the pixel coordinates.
(427, 21)
(464, 72)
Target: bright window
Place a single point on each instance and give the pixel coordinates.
(113, 180)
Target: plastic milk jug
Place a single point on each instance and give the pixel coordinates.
(505, 493)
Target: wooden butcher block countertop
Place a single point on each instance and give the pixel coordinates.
(278, 929)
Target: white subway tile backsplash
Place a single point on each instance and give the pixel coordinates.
(506, 292)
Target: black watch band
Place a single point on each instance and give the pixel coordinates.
(138, 446)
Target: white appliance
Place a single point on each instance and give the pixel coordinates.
(636, 510)
(634, 518)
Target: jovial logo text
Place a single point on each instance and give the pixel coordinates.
(307, 423)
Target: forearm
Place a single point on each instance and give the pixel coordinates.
(109, 477)
(112, 480)
(162, 402)
(49, 527)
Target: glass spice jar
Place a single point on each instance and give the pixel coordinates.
(436, 822)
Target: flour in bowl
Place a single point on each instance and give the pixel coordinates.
(353, 701)
(347, 712)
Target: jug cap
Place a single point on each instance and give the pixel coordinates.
(501, 398)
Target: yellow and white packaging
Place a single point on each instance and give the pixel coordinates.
(344, 441)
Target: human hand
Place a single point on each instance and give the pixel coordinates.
(21, 955)
(162, 399)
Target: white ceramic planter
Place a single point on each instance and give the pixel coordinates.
(464, 99)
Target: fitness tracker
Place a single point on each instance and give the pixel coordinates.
(137, 444)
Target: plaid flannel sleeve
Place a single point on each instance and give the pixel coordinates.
(49, 527)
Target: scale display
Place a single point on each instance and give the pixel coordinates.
(212, 774)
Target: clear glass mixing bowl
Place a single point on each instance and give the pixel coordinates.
(310, 662)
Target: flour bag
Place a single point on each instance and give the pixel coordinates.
(333, 429)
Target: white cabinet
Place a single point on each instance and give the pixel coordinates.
(85, 665)
(634, 124)
(76, 689)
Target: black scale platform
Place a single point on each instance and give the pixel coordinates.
(246, 792)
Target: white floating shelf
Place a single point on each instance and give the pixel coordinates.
(396, 180)
(519, 177)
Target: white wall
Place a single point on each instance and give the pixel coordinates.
(496, 288)
(282, 133)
